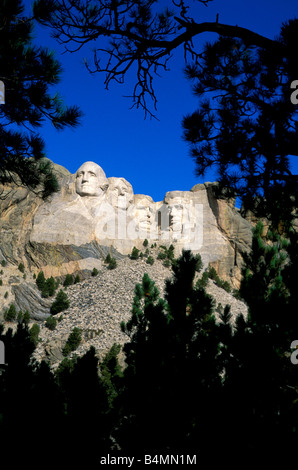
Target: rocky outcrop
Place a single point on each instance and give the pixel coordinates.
(27, 297)
(17, 208)
(236, 230)
(92, 215)
(98, 305)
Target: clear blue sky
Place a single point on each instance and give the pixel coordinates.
(150, 154)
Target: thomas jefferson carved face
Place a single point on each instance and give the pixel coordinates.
(120, 193)
(91, 180)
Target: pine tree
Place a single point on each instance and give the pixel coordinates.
(85, 402)
(68, 281)
(171, 376)
(135, 253)
(111, 374)
(260, 382)
(40, 280)
(60, 303)
(34, 333)
(112, 263)
(10, 314)
(29, 398)
(51, 322)
(28, 72)
(49, 287)
(73, 341)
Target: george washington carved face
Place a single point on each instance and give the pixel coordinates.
(91, 180)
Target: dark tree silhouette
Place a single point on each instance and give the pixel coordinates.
(28, 72)
(246, 124)
(171, 376)
(260, 382)
(245, 127)
(130, 34)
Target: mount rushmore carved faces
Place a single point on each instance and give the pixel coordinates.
(91, 180)
(120, 193)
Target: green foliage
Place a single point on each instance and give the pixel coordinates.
(10, 314)
(263, 276)
(212, 274)
(175, 344)
(28, 72)
(72, 342)
(150, 260)
(6, 295)
(135, 253)
(67, 400)
(1, 282)
(111, 373)
(77, 279)
(40, 280)
(240, 73)
(112, 263)
(49, 287)
(108, 258)
(162, 255)
(3, 263)
(94, 272)
(172, 341)
(167, 255)
(145, 243)
(34, 333)
(167, 263)
(66, 350)
(21, 267)
(24, 317)
(60, 303)
(51, 323)
(203, 281)
(68, 281)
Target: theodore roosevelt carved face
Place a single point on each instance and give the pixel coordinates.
(91, 180)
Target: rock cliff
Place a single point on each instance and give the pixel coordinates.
(91, 215)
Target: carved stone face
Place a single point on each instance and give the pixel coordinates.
(176, 210)
(91, 180)
(120, 193)
(180, 210)
(144, 212)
